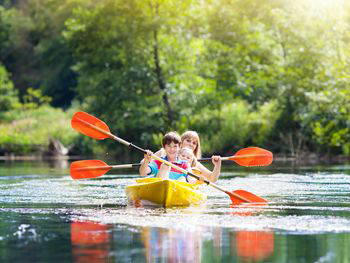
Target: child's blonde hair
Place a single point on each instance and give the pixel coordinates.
(189, 151)
(193, 135)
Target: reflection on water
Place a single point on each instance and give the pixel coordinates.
(41, 237)
(45, 216)
(253, 245)
(90, 242)
(93, 242)
(59, 163)
(172, 245)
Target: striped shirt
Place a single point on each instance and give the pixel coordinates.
(173, 174)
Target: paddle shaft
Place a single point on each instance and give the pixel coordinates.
(120, 166)
(130, 145)
(234, 157)
(112, 136)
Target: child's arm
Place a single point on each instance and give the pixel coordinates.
(159, 153)
(217, 168)
(164, 171)
(144, 168)
(211, 175)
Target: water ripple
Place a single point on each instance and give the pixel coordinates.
(313, 202)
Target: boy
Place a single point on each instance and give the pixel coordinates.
(171, 144)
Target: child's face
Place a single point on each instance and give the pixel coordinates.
(185, 156)
(172, 149)
(190, 143)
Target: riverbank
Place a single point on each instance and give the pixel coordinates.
(311, 158)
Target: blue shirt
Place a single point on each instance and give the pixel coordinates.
(173, 174)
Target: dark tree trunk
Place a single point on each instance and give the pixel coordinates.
(160, 79)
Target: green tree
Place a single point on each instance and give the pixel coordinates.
(35, 52)
(132, 59)
(8, 95)
(265, 50)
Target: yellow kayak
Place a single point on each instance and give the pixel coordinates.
(165, 193)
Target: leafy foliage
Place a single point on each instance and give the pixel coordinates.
(243, 72)
(8, 95)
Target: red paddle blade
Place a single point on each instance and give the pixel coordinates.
(88, 169)
(81, 120)
(253, 156)
(241, 196)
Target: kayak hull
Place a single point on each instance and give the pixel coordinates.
(164, 193)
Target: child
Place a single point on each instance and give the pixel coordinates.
(186, 154)
(171, 145)
(191, 140)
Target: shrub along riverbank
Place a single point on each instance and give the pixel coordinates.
(27, 131)
(30, 133)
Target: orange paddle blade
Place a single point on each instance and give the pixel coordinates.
(81, 120)
(241, 196)
(88, 169)
(253, 156)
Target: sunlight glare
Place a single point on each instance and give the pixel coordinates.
(321, 8)
(324, 5)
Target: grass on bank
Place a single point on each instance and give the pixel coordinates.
(28, 130)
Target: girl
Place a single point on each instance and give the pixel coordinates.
(186, 154)
(191, 140)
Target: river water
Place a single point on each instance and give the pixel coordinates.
(45, 216)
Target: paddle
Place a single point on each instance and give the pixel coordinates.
(251, 156)
(95, 128)
(88, 169)
(94, 168)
